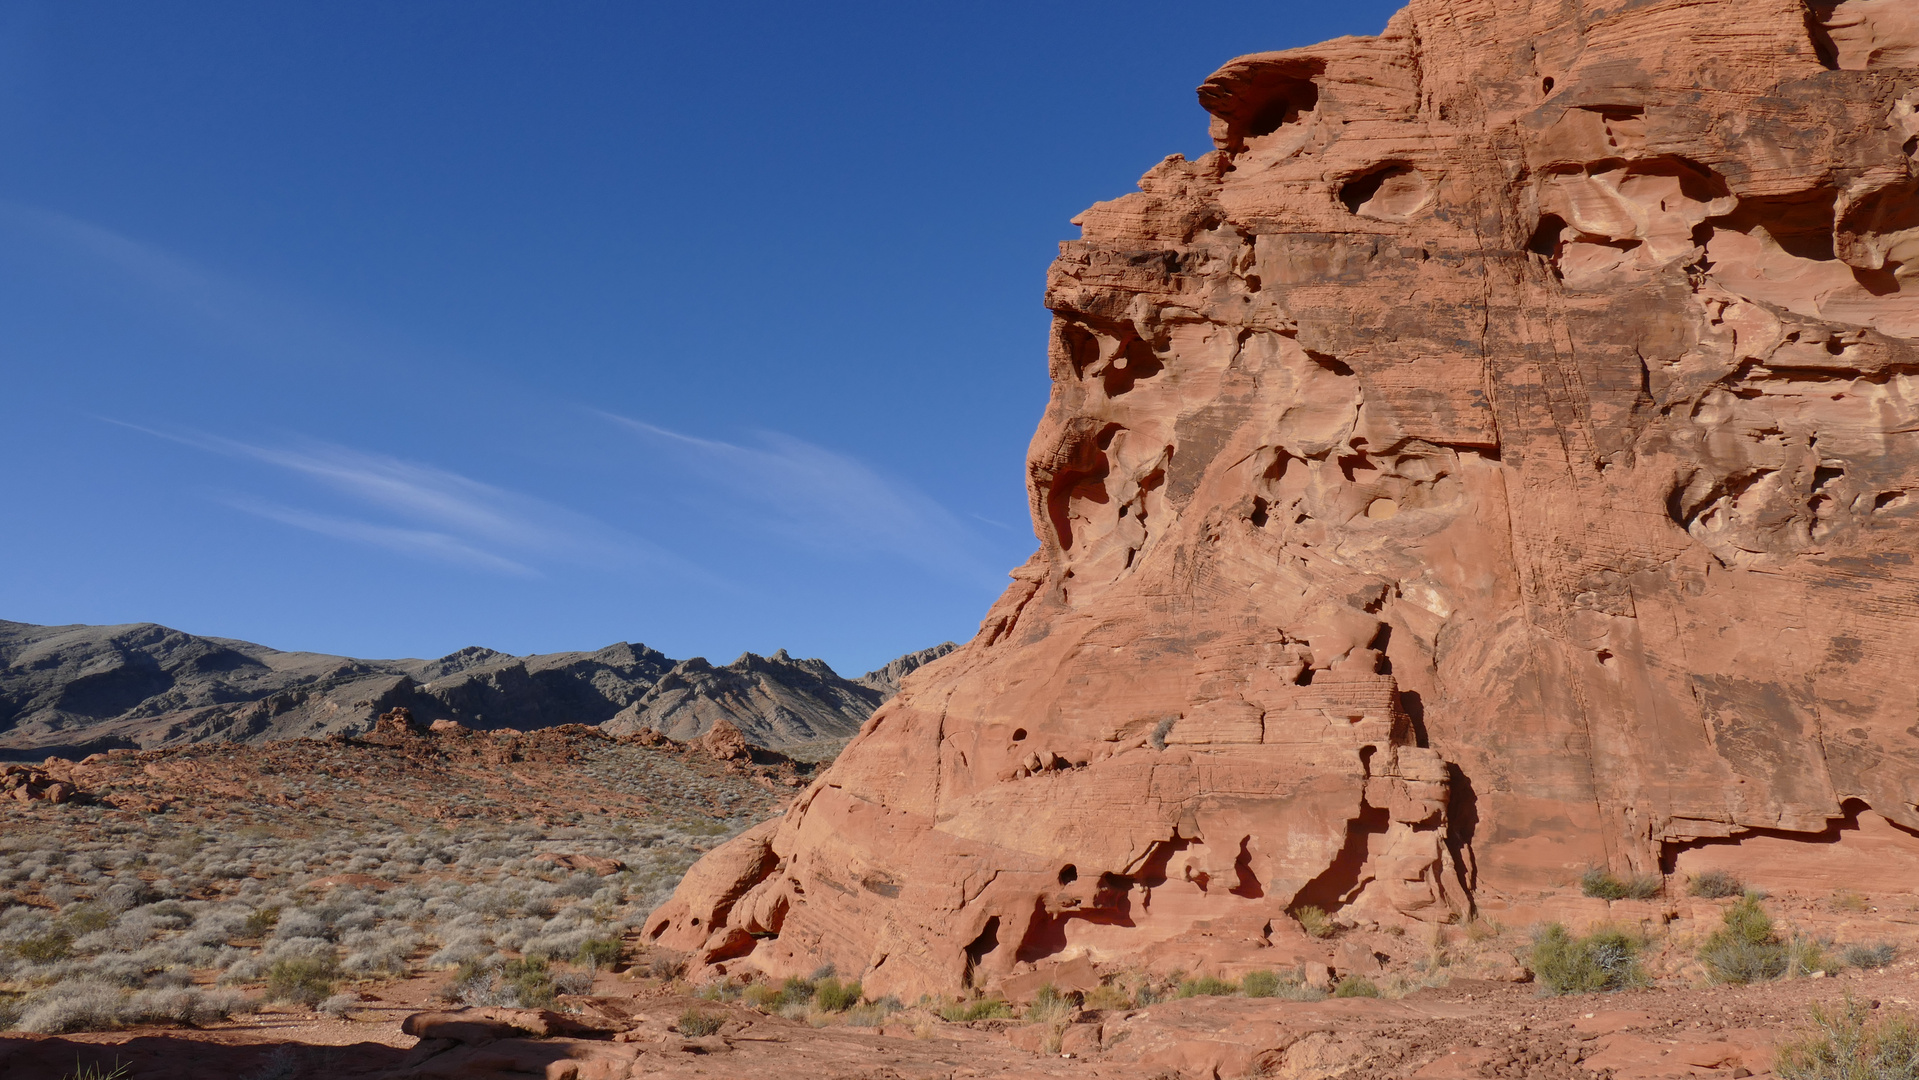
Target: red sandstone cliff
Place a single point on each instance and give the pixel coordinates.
(1497, 458)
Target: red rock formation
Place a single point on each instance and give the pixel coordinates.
(1495, 459)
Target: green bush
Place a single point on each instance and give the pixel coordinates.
(301, 980)
(1747, 948)
(763, 996)
(832, 995)
(1260, 984)
(1353, 986)
(1850, 1045)
(1602, 883)
(87, 918)
(45, 949)
(260, 923)
(1604, 959)
(530, 981)
(695, 1024)
(1207, 987)
(1715, 885)
(984, 1009)
(599, 952)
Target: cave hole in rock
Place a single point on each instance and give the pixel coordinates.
(1604, 656)
(1331, 363)
(1547, 235)
(1825, 474)
(1413, 707)
(1834, 832)
(1305, 676)
(1259, 516)
(1046, 932)
(1546, 85)
(1293, 98)
(1391, 191)
(1019, 734)
(977, 950)
(1068, 874)
(1800, 223)
(1135, 362)
(1339, 884)
(1888, 500)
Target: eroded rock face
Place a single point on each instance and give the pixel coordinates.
(1496, 459)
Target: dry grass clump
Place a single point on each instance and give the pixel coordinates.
(1848, 1044)
(1315, 922)
(960, 1012)
(1604, 884)
(1715, 885)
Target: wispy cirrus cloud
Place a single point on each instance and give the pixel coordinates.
(438, 514)
(806, 494)
(418, 543)
(135, 274)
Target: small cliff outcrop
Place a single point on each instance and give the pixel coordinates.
(1497, 458)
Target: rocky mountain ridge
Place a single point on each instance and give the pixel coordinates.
(73, 690)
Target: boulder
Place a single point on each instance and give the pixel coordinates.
(1496, 458)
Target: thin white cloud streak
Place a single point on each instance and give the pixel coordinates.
(265, 325)
(829, 501)
(467, 522)
(418, 543)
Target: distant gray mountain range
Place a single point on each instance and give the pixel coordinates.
(73, 690)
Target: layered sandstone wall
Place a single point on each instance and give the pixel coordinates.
(1497, 458)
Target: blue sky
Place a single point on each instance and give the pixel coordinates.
(387, 329)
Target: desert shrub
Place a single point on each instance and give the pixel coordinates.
(1745, 948)
(86, 918)
(764, 996)
(832, 995)
(1260, 984)
(1109, 995)
(1848, 1044)
(44, 948)
(1847, 900)
(872, 1013)
(1604, 959)
(1314, 921)
(983, 1009)
(1715, 885)
(179, 1005)
(1604, 884)
(1353, 986)
(1207, 986)
(576, 981)
(339, 1005)
(301, 923)
(600, 952)
(1869, 956)
(695, 1024)
(528, 981)
(301, 980)
(73, 1006)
